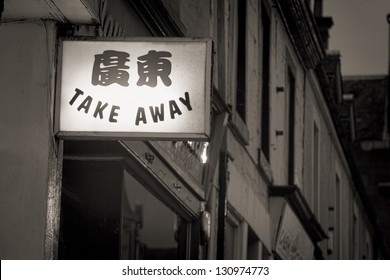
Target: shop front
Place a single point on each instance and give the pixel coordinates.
(123, 200)
(102, 177)
(138, 194)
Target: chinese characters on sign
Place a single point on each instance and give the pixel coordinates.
(135, 88)
(110, 67)
(154, 66)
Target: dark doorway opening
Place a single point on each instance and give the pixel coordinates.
(106, 213)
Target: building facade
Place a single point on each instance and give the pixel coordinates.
(272, 182)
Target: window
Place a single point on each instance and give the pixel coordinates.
(355, 237)
(338, 220)
(141, 223)
(357, 234)
(291, 127)
(233, 242)
(315, 166)
(254, 246)
(368, 254)
(265, 75)
(241, 60)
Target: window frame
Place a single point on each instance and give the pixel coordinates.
(264, 66)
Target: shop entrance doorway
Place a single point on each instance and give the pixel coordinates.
(106, 213)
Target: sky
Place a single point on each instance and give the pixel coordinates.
(361, 33)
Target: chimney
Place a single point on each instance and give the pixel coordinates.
(323, 23)
(318, 8)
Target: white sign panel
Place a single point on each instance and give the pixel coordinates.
(293, 243)
(135, 89)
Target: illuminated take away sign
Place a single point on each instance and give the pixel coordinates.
(135, 89)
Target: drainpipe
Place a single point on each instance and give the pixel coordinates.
(222, 199)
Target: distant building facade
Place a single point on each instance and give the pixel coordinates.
(367, 103)
(277, 183)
